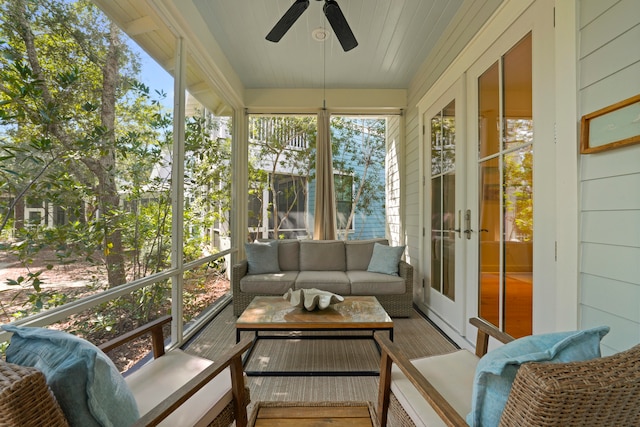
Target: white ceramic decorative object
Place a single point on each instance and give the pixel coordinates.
(312, 298)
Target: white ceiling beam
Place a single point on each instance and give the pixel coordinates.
(140, 26)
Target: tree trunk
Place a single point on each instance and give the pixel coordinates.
(109, 198)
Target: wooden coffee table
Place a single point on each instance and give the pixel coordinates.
(355, 313)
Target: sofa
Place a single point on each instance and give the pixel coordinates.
(355, 267)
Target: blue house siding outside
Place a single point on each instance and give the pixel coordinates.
(365, 226)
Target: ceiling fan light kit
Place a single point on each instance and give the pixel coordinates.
(331, 11)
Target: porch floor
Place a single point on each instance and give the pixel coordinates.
(414, 335)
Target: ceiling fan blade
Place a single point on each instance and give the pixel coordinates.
(339, 24)
(287, 20)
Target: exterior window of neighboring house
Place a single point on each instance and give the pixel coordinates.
(290, 209)
(34, 213)
(291, 198)
(255, 211)
(344, 200)
(59, 216)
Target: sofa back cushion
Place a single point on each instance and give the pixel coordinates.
(359, 253)
(289, 254)
(322, 255)
(262, 257)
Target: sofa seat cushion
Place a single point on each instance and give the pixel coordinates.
(155, 381)
(322, 255)
(451, 374)
(268, 284)
(367, 283)
(330, 281)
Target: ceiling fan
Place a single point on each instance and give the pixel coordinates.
(331, 11)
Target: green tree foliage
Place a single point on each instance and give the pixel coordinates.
(207, 182)
(78, 130)
(60, 83)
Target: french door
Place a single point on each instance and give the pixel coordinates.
(489, 153)
(503, 154)
(445, 195)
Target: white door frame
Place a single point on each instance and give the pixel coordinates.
(451, 312)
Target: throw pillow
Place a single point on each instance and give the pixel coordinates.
(385, 259)
(497, 369)
(262, 257)
(85, 382)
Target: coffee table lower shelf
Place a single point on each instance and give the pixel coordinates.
(341, 414)
(361, 373)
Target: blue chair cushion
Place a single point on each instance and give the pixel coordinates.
(385, 259)
(497, 369)
(262, 257)
(85, 382)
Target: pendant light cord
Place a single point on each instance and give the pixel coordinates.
(324, 66)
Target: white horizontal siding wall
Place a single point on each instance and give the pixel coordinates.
(609, 70)
(392, 166)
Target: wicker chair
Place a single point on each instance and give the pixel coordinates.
(24, 387)
(598, 392)
(26, 400)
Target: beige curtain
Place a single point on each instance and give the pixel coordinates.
(325, 214)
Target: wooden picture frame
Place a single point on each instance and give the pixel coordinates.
(615, 126)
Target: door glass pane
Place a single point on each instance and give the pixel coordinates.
(518, 242)
(449, 236)
(489, 237)
(436, 145)
(518, 190)
(443, 162)
(489, 112)
(449, 137)
(517, 95)
(436, 233)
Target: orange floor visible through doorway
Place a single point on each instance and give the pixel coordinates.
(518, 307)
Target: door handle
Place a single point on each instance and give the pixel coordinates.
(467, 224)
